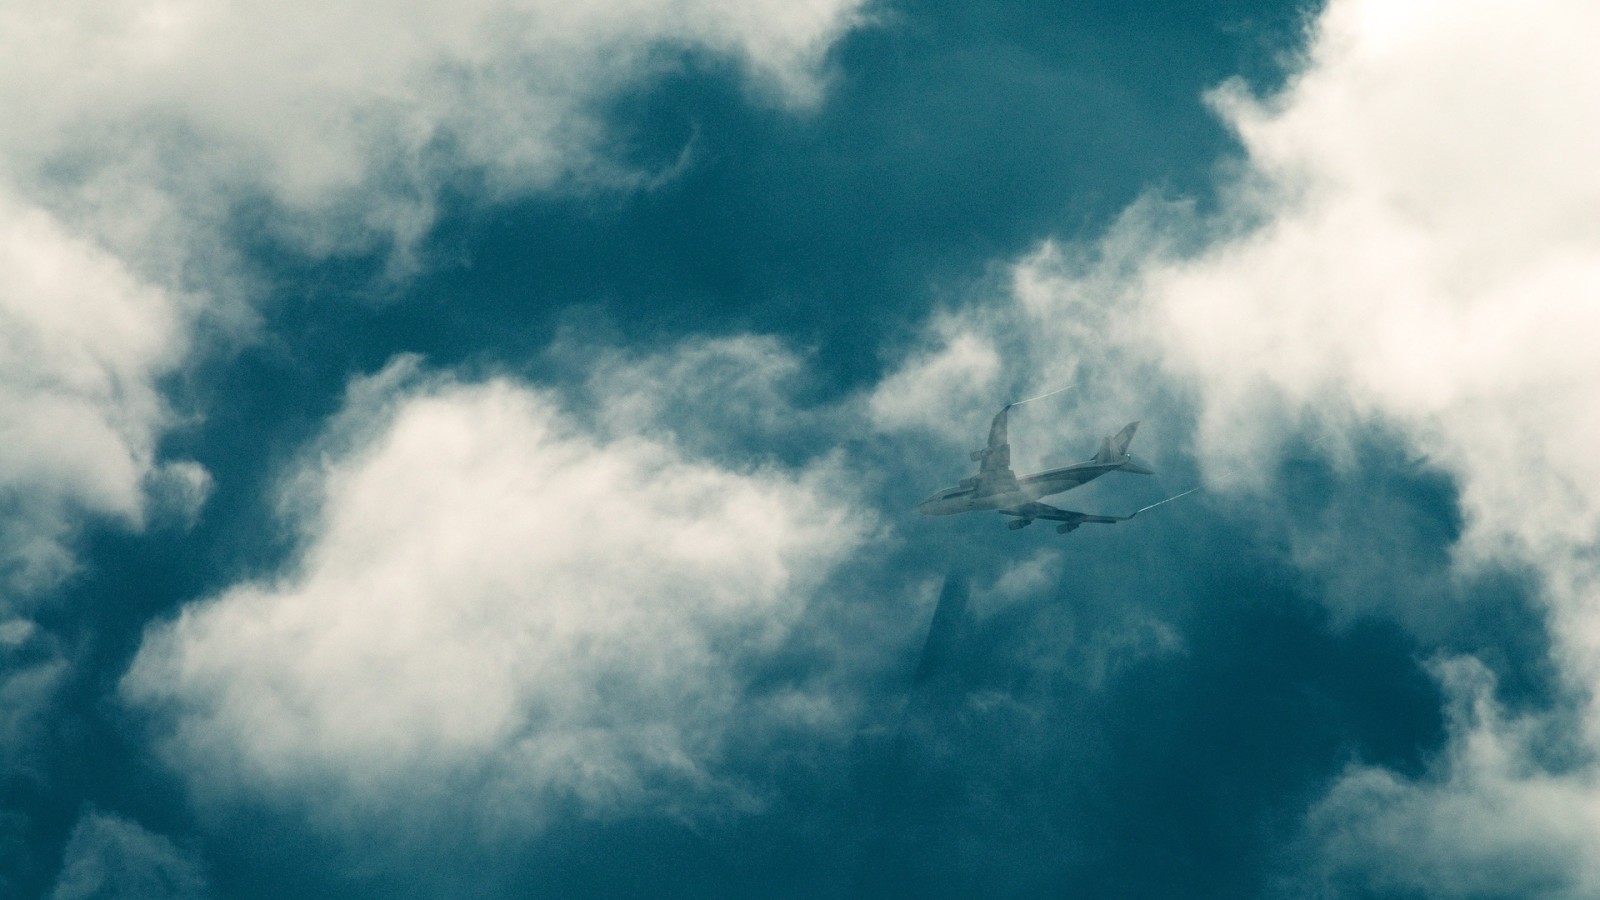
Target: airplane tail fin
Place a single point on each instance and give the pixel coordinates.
(1114, 449)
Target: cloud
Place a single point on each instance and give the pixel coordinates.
(1060, 317)
(145, 133)
(109, 856)
(32, 669)
(1487, 824)
(495, 602)
(1408, 254)
(85, 341)
(179, 490)
(960, 373)
(349, 116)
(1424, 263)
(716, 396)
(148, 136)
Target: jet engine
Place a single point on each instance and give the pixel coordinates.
(1014, 524)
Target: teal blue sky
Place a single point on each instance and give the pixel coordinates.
(1160, 710)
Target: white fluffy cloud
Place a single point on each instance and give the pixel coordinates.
(136, 127)
(1496, 826)
(1413, 244)
(494, 598)
(350, 114)
(84, 340)
(960, 374)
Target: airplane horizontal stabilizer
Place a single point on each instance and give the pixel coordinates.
(1135, 466)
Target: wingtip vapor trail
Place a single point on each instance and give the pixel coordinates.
(1041, 396)
(1161, 502)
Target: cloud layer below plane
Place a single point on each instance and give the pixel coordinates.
(1414, 247)
(497, 605)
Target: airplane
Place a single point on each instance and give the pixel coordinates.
(998, 488)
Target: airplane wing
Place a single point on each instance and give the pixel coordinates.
(1070, 519)
(1036, 510)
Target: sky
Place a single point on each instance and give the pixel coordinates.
(469, 449)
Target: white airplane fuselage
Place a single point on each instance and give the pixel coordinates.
(974, 495)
